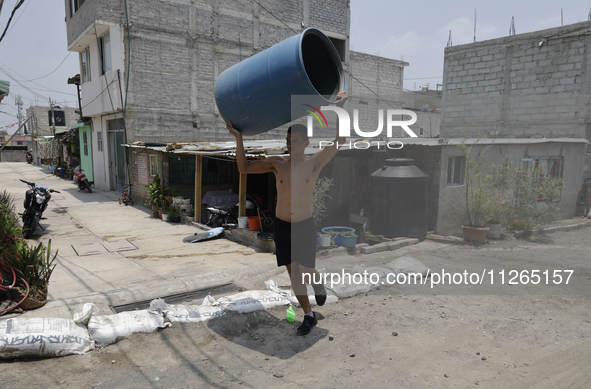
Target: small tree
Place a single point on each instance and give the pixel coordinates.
(323, 186)
(475, 181)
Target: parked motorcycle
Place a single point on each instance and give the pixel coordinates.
(226, 215)
(36, 200)
(83, 182)
(29, 157)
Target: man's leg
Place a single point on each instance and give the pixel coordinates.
(299, 288)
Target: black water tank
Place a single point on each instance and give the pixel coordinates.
(399, 200)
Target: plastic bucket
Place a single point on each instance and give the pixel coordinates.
(255, 94)
(254, 223)
(243, 222)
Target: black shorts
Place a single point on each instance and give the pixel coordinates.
(295, 242)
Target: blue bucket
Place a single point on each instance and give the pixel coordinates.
(255, 94)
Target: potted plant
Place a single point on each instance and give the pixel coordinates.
(476, 191)
(174, 214)
(33, 266)
(155, 193)
(324, 240)
(349, 239)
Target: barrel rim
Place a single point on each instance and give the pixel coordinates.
(333, 52)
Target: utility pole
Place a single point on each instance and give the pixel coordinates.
(52, 129)
(19, 106)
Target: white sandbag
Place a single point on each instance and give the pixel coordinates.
(251, 301)
(42, 337)
(105, 330)
(293, 300)
(88, 310)
(187, 313)
(408, 265)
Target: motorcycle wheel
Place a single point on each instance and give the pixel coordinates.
(29, 226)
(88, 186)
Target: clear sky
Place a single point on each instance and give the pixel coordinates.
(416, 32)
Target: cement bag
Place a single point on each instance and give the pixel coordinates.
(42, 337)
(105, 330)
(187, 313)
(251, 301)
(408, 265)
(293, 300)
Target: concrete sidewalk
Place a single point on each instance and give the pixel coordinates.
(110, 254)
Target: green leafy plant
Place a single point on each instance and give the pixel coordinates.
(33, 264)
(319, 197)
(156, 193)
(173, 211)
(9, 229)
(535, 197)
(349, 233)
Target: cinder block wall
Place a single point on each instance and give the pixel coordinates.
(530, 85)
(179, 48)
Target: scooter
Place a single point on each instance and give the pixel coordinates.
(36, 200)
(29, 157)
(83, 182)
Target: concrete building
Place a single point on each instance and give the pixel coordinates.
(43, 119)
(530, 95)
(148, 69)
(426, 103)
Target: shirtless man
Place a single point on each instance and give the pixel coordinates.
(294, 228)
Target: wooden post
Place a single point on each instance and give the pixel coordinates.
(198, 176)
(242, 195)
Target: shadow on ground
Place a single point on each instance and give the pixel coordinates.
(263, 332)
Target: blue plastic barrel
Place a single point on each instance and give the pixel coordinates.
(255, 94)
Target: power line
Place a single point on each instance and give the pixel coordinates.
(36, 83)
(17, 6)
(19, 16)
(61, 63)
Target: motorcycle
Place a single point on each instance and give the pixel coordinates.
(29, 157)
(36, 200)
(227, 215)
(83, 182)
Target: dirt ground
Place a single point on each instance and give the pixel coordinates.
(397, 336)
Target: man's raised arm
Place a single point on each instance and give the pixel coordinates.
(244, 166)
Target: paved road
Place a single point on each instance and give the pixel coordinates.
(110, 254)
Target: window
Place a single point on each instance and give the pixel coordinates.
(182, 170)
(99, 140)
(85, 142)
(74, 6)
(105, 53)
(421, 131)
(134, 157)
(153, 165)
(455, 167)
(85, 65)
